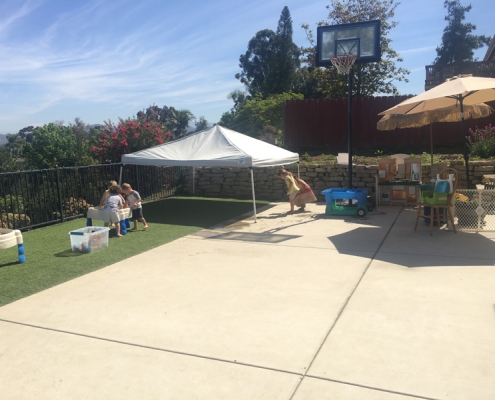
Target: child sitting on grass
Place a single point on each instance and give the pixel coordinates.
(111, 208)
(134, 201)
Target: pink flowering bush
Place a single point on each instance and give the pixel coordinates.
(481, 141)
(127, 137)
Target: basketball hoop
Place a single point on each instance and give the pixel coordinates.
(343, 63)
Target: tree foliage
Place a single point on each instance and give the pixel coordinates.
(184, 118)
(458, 42)
(286, 57)
(127, 137)
(166, 116)
(7, 161)
(369, 78)
(170, 119)
(51, 145)
(15, 144)
(85, 138)
(201, 124)
(259, 112)
(270, 63)
(256, 62)
(27, 133)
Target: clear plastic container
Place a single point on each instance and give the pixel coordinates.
(89, 239)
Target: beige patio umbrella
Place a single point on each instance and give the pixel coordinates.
(391, 122)
(462, 90)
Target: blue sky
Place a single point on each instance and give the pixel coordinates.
(104, 59)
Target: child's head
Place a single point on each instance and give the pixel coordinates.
(126, 188)
(282, 173)
(115, 189)
(112, 183)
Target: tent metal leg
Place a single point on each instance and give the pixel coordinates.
(120, 175)
(194, 180)
(254, 199)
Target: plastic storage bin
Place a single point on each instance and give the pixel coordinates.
(346, 201)
(89, 239)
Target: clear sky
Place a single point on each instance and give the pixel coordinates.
(104, 59)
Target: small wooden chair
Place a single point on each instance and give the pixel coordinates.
(440, 212)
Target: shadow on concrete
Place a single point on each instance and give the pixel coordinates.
(418, 249)
(248, 236)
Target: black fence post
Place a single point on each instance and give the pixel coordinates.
(59, 194)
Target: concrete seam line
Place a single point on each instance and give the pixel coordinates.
(344, 305)
(446, 256)
(371, 387)
(151, 347)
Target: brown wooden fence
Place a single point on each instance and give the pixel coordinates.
(321, 125)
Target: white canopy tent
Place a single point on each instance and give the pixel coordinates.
(214, 147)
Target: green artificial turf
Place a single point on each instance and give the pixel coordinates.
(50, 260)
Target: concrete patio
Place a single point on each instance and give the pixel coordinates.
(302, 306)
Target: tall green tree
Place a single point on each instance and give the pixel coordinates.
(270, 63)
(458, 42)
(369, 79)
(27, 133)
(184, 118)
(285, 58)
(256, 62)
(51, 145)
(14, 144)
(85, 139)
(201, 124)
(7, 161)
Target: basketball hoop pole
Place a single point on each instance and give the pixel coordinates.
(349, 125)
(343, 45)
(343, 63)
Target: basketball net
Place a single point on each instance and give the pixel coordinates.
(343, 63)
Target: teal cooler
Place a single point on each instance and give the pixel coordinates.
(346, 201)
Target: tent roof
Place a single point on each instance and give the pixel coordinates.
(214, 147)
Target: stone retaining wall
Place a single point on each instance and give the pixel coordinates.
(236, 182)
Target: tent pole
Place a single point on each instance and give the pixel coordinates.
(299, 176)
(194, 180)
(254, 200)
(120, 175)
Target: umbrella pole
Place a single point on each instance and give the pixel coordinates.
(431, 143)
(466, 155)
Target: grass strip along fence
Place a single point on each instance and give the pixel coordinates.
(31, 199)
(50, 260)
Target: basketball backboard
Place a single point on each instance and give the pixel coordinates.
(360, 38)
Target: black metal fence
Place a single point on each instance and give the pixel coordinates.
(31, 199)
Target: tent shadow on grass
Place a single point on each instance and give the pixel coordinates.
(194, 211)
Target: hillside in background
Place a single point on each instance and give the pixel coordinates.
(3, 139)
